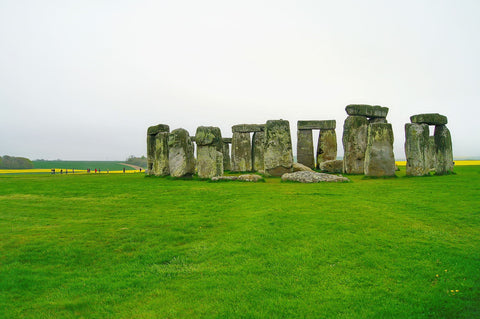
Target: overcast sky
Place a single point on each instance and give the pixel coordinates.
(82, 80)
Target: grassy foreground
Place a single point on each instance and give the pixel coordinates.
(126, 246)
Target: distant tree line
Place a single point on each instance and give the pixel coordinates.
(138, 161)
(13, 162)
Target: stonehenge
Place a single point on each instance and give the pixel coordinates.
(327, 142)
(367, 141)
(424, 152)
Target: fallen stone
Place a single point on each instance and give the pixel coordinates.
(305, 154)
(354, 144)
(416, 149)
(429, 118)
(443, 150)
(327, 146)
(379, 158)
(258, 151)
(297, 167)
(278, 148)
(367, 110)
(312, 177)
(317, 125)
(250, 178)
(248, 128)
(224, 178)
(333, 166)
(180, 154)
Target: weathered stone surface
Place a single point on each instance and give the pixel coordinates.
(367, 110)
(429, 118)
(206, 161)
(354, 144)
(227, 164)
(153, 130)
(317, 125)
(258, 151)
(327, 146)
(227, 140)
(248, 128)
(312, 177)
(443, 150)
(379, 158)
(224, 178)
(333, 166)
(297, 167)
(219, 164)
(241, 152)
(160, 160)
(192, 138)
(416, 149)
(209, 135)
(180, 153)
(305, 153)
(431, 153)
(150, 153)
(374, 120)
(278, 148)
(250, 178)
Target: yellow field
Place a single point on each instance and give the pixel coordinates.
(57, 171)
(457, 163)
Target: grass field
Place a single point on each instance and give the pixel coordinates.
(81, 165)
(126, 246)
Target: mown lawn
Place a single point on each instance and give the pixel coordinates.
(126, 246)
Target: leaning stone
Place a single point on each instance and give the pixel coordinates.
(206, 161)
(297, 167)
(248, 128)
(180, 154)
(416, 149)
(227, 164)
(312, 177)
(153, 130)
(305, 148)
(327, 146)
(317, 125)
(278, 148)
(241, 152)
(258, 151)
(367, 110)
(443, 148)
(379, 158)
(333, 166)
(250, 178)
(354, 144)
(429, 118)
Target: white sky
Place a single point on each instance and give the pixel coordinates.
(84, 79)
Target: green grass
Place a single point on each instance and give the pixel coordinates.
(125, 246)
(103, 165)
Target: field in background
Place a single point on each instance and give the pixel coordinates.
(127, 246)
(81, 165)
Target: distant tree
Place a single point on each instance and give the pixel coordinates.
(12, 162)
(138, 161)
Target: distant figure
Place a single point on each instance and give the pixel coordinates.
(99, 171)
(124, 170)
(61, 171)
(66, 171)
(53, 171)
(73, 170)
(108, 170)
(95, 171)
(140, 169)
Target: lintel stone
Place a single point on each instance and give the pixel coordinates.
(153, 130)
(367, 110)
(248, 128)
(429, 118)
(317, 125)
(227, 140)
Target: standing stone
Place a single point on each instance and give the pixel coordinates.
(226, 154)
(258, 151)
(219, 164)
(305, 148)
(157, 155)
(278, 148)
(430, 154)
(354, 144)
(327, 146)
(379, 159)
(417, 142)
(180, 154)
(443, 150)
(241, 152)
(209, 142)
